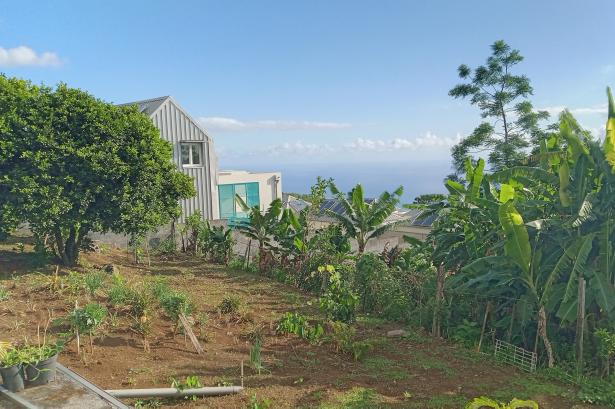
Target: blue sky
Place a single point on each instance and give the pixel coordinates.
(356, 90)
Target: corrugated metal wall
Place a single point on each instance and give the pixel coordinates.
(176, 126)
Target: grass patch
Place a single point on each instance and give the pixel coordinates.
(427, 362)
(526, 387)
(441, 402)
(383, 368)
(357, 398)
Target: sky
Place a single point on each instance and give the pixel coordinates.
(354, 90)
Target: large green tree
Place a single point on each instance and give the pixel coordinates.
(71, 164)
(511, 123)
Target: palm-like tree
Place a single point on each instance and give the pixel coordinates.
(260, 226)
(363, 220)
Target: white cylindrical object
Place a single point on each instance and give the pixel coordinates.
(174, 393)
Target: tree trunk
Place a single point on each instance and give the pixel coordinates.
(542, 330)
(435, 325)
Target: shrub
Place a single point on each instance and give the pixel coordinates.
(159, 288)
(467, 333)
(338, 302)
(230, 304)
(88, 319)
(166, 247)
(381, 289)
(342, 337)
(119, 293)
(176, 304)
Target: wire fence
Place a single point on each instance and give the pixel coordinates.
(515, 356)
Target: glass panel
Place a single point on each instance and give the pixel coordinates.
(185, 153)
(240, 190)
(196, 153)
(227, 201)
(252, 194)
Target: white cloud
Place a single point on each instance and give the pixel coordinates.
(428, 141)
(298, 148)
(231, 124)
(25, 56)
(596, 109)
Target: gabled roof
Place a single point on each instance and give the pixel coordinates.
(149, 106)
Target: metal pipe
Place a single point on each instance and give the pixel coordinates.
(173, 392)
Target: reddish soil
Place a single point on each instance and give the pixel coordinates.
(432, 373)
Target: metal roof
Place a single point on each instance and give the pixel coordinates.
(148, 106)
(410, 216)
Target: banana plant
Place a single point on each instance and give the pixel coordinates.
(261, 226)
(363, 220)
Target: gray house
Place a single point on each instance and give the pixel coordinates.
(193, 152)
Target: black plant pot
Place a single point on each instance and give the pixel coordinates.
(42, 372)
(12, 377)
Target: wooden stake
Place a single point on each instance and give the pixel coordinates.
(242, 373)
(482, 331)
(193, 338)
(435, 325)
(580, 326)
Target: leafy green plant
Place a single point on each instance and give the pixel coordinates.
(87, 320)
(93, 281)
(338, 302)
(4, 293)
(166, 247)
(466, 333)
(175, 304)
(484, 402)
(256, 403)
(255, 356)
(119, 292)
(295, 323)
(342, 336)
(191, 382)
(606, 347)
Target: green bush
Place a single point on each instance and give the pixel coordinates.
(381, 289)
(230, 304)
(87, 319)
(119, 293)
(342, 336)
(175, 304)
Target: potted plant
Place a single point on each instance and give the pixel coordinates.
(11, 368)
(40, 363)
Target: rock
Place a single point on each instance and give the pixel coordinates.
(396, 333)
(110, 268)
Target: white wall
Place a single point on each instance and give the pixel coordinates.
(268, 188)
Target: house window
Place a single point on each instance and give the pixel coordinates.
(191, 154)
(229, 208)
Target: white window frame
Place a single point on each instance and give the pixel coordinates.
(191, 145)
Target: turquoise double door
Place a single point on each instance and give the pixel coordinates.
(229, 208)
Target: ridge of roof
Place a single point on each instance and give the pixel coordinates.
(145, 101)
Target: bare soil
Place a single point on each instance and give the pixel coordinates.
(413, 372)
